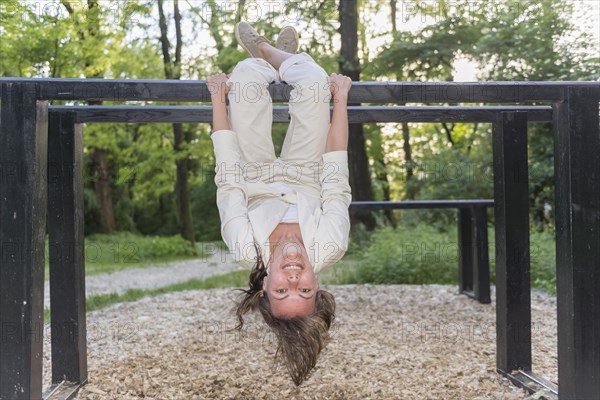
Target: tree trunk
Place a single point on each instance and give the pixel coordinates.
(394, 7)
(173, 71)
(101, 167)
(360, 177)
(105, 213)
(410, 190)
(382, 176)
(182, 189)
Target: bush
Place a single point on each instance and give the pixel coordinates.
(417, 255)
(422, 254)
(543, 260)
(104, 253)
(207, 223)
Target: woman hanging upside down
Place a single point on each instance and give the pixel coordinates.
(284, 218)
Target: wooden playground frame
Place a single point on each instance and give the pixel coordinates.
(41, 174)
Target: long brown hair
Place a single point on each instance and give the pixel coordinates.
(299, 339)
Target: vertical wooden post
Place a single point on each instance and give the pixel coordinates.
(465, 250)
(481, 264)
(511, 205)
(577, 177)
(23, 197)
(473, 258)
(65, 228)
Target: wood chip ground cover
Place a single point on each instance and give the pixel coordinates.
(388, 342)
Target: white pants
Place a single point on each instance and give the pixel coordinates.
(251, 117)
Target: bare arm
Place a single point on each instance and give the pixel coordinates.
(220, 120)
(338, 131)
(218, 89)
(334, 225)
(232, 196)
(337, 140)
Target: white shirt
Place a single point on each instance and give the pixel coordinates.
(291, 214)
(250, 210)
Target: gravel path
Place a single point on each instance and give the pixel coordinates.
(152, 277)
(389, 342)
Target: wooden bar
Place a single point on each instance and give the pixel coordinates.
(369, 114)
(577, 177)
(23, 152)
(465, 250)
(66, 242)
(356, 114)
(511, 207)
(365, 92)
(481, 258)
(415, 204)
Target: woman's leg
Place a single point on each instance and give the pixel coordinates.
(251, 109)
(310, 96)
(309, 109)
(273, 55)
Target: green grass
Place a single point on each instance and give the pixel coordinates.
(123, 250)
(229, 280)
(342, 272)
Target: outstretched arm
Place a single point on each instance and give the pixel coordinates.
(331, 240)
(337, 140)
(217, 86)
(232, 198)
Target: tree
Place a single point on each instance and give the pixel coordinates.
(90, 34)
(513, 40)
(349, 64)
(173, 71)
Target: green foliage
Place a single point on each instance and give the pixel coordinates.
(527, 41)
(33, 43)
(441, 170)
(207, 223)
(417, 255)
(541, 174)
(122, 250)
(421, 254)
(343, 272)
(511, 40)
(543, 260)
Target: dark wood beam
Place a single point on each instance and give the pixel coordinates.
(356, 114)
(361, 92)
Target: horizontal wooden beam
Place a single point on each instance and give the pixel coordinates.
(365, 92)
(414, 204)
(357, 114)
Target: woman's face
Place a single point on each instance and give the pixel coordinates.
(291, 284)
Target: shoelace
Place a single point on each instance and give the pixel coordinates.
(258, 38)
